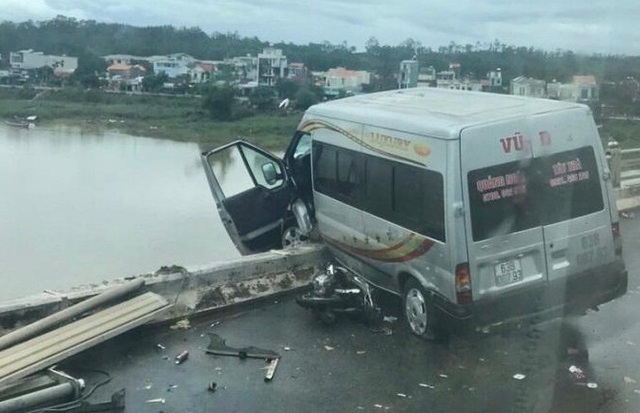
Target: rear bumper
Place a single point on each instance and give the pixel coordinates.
(551, 300)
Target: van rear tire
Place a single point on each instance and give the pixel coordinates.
(419, 312)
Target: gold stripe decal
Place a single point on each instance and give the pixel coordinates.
(410, 247)
(421, 150)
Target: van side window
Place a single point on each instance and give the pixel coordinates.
(405, 195)
(516, 196)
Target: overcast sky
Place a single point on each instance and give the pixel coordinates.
(592, 26)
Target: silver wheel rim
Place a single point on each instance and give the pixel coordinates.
(416, 311)
(291, 237)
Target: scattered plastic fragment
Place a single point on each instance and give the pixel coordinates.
(379, 406)
(592, 385)
(519, 376)
(360, 408)
(630, 215)
(361, 352)
(148, 386)
(402, 395)
(444, 376)
(389, 319)
(577, 372)
(629, 380)
(215, 324)
(160, 347)
(182, 357)
(636, 391)
(427, 385)
(218, 369)
(183, 324)
(631, 343)
(161, 401)
(328, 348)
(287, 348)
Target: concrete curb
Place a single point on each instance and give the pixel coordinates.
(191, 291)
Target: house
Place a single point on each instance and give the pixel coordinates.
(582, 89)
(408, 76)
(340, 80)
(272, 65)
(29, 60)
(495, 78)
(297, 72)
(173, 65)
(201, 72)
(426, 76)
(449, 79)
(122, 76)
(526, 86)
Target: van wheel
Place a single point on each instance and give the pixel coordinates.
(419, 312)
(292, 237)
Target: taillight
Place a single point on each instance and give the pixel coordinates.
(463, 284)
(617, 240)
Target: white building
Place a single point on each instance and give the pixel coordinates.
(339, 80)
(272, 65)
(526, 86)
(581, 89)
(173, 65)
(28, 59)
(426, 76)
(408, 76)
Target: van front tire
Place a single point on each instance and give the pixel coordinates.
(419, 312)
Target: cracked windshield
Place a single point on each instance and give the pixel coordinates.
(337, 206)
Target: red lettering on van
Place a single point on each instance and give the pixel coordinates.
(516, 142)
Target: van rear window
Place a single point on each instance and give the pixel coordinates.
(516, 196)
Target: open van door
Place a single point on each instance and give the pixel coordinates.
(252, 193)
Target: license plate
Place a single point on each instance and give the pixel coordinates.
(508, 272)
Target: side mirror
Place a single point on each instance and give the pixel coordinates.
(269, 172)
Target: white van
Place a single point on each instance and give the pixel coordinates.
(477, 208)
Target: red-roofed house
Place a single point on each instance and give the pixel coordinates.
(339, 80)
(201, 72)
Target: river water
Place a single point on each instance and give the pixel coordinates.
(82, 208)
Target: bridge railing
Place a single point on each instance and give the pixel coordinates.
(623, 163)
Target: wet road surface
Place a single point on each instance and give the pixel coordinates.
(349, 368)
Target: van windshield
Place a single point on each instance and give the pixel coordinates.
(520, 195)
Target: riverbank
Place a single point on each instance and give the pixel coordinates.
(180, 118)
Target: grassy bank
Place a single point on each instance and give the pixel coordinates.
(165, 117)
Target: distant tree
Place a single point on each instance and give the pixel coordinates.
(263, 98)
(218, 100)
(305, 97)
(287, 88)
(153, 82)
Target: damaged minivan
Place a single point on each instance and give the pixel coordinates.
(478, 209)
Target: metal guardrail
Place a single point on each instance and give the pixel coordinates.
(623, 163)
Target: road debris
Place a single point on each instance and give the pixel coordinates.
(378, 406)
(631, 343)
(160, 347)
(389, 319)
(519, 376)
(636, 391)
(444, 376)
(329, 348)
(271, 370)
(287, 348)
(218, 347)
(629, 380)
(148, 386)
(577, 372)
(628, 215)
(401, 395)
(171, 387)
(159, 400)
(386, 330)
(428, 386)
(212, 386)
(182, 357)
(361, 352)
(183, 324)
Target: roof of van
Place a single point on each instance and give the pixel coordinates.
(435, 112)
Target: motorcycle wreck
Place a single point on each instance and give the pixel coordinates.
(338, 291)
